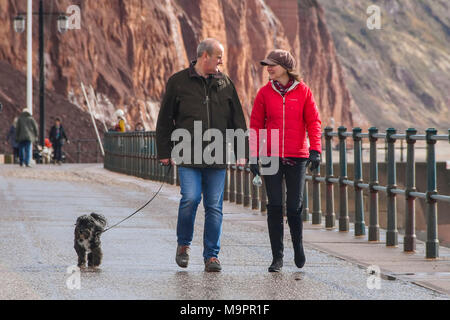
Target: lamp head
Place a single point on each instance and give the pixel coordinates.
(19, 24)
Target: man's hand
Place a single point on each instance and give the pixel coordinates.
(165, 162)
(241, 162)
(314, 159)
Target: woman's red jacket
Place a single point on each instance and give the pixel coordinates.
(293, 115)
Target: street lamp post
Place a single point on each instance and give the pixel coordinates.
(19, 26)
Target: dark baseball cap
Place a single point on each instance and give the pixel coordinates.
(281, 57)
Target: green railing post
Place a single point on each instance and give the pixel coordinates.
(239, 186)
(232, 183)
(134, 154)
(432, 244)
(391, 232)
(155, 160)
(317, 211)
(409, 241)
(226, 188)
(246, 172)
(152, 157)
(255, 195)
(140, 153)
(330, 217)
(283, 197)
(360, 227)
(343, 193)
(147, 156)
(374, 227)
(106, 160)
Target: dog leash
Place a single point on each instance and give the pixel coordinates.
(157, 192)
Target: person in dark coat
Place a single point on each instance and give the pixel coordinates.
(11, 140)
(26, 134)
(57, 137)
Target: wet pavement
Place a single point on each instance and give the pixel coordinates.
(38, 209)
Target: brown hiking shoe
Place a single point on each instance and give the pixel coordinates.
(182, 257)
(212, 265)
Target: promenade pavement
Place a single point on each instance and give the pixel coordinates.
(39, 206)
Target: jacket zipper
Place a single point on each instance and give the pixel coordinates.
(207, 105)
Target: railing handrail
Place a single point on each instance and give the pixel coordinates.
(135, 153)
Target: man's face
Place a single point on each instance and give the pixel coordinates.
(213, 62)
(57, 123)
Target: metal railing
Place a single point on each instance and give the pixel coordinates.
(84, 151)
(134, 153)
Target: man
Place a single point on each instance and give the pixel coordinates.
(26, 134)
(57, 137)
(199, 93)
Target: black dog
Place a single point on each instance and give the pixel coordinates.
(88, 229)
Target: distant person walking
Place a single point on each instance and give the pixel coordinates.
(286, 104)
(139, 127)
(11, 140)
(26, 134)
(57, 136)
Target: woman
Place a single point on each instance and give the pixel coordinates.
(286, 104)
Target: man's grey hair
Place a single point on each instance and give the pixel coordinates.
(207, 45)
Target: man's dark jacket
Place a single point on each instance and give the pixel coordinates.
(57, 140)
(190, 97)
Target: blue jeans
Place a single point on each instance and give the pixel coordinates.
(193, 183)
(25, 152)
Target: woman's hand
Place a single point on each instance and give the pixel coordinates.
(314, 159)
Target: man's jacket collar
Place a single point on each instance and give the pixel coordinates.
(193, 72)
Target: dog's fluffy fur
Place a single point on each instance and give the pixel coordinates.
(88, 229)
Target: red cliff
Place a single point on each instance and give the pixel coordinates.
(127, 50)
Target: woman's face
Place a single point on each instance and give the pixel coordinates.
(276, 72)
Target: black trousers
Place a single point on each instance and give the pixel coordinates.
(57, 151)
(295, 184)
